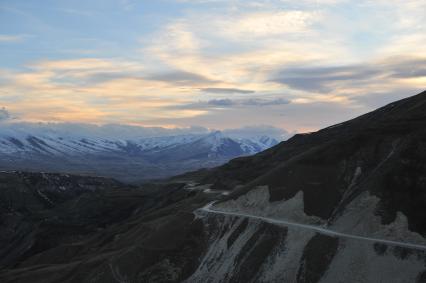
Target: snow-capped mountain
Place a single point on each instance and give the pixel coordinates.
(57, 144)
(129, 156)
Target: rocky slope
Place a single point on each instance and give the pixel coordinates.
(344, 204)
(381, 154)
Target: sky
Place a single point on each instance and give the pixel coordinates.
(296, 65)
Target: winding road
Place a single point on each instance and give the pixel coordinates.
(209, 209)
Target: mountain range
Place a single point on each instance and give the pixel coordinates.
(127, 156)
(343, 204)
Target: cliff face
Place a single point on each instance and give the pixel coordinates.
(253, 250)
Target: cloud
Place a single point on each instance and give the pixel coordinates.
(89, 71)
(271, 23)
(292, 117)
(75, 12)
(73, 64)
(408, 68)
(241, 47)
(108, 131)
(12, 38)
(226, 90)
(243, 43)
(120, 131)
(4, 114)
(218, 102)
(321, 79)
(264, 102)
(329, 78)
(257, 131)
(375, 100)
(127, 4)
(180, 77)
(105, 76)
(99, 91)
(234, 103)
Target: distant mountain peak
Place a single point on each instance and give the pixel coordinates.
(125, 158)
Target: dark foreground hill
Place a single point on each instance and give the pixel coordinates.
(344, 204)
(382, 153)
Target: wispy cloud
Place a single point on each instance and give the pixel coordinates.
(4, 114)
(180, 77)
(226, 90)
(6, 38)
(92, 90)
(127, 4)
(235, 103)
(77, 12)
(258, 25)
(332, 78)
